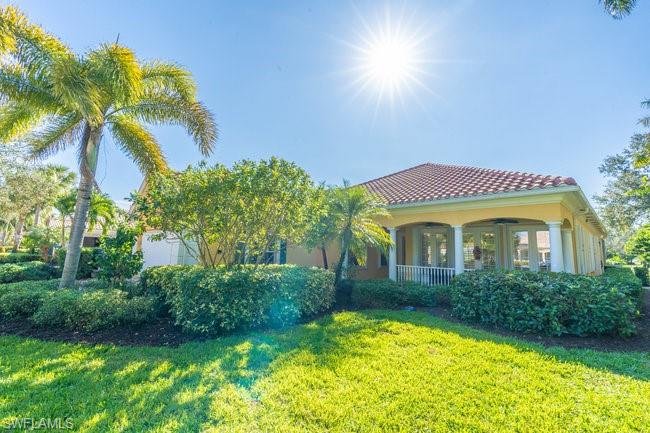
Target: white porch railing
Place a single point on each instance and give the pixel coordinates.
(427, 275)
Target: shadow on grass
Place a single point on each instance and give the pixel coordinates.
(106, 388)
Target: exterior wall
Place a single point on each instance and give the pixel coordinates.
(298, 255)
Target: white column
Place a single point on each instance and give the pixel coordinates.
(567, 249)
(392, 255)
(459, 257)
(555, 237)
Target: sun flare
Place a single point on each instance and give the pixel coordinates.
(390, 59)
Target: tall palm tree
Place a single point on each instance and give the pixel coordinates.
(355, 211)
(53, 99)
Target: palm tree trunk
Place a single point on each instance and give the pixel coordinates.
(86, 184)
(18, 233)
(323, 252)
(37, 216)
(62, 231)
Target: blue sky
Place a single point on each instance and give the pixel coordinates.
(547, 87)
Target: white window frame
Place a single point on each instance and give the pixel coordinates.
(533, 253)
(434, 231)
(476, 232)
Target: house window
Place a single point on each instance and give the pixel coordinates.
(488, 250)
(520, 250)
(543, 250)
(283, 252)
(434, 250)
(383, 261)
(468, 250)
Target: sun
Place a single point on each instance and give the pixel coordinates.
(390, 59)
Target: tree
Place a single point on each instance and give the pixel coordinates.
(54, 99)
(355, 211)
(624, 203)
(639, 244)
(618, 8)
(53, 180)
(102, 211)
(117, 261)
(223, 215)
(323, 230)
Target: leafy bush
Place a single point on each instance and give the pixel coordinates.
(87, 261)
(641, 273)
(23, 271)
(117, 261)
(213, 301)
(549, 303)
(18, 257)
(40, 239)
(386, 293)
(81, 310)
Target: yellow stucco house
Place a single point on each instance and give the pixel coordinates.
(447, 219)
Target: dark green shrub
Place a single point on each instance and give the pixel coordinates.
(87, 261)
(549, 303)
(116, 260)
(221, 300)
(24, 271)
(81, 310)
(18, 257)
(641, 273)
(386, 293)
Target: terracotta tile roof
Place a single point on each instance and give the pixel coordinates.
(429, 181)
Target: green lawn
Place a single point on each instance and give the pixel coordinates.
(374, 371)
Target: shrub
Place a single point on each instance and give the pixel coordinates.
(641, 273)
(386, 293)
(82, 310)
(117, 261)
(13, 272)
(18, 257)
(87, 261)
(549, 303)
(213, 301)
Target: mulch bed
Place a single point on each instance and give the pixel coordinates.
(163, 332)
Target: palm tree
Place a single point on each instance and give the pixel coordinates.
(64, 204)
(618, 8)
(101, 211)
(355, 211)
(53, 99)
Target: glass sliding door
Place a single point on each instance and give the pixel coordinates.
(433, 251)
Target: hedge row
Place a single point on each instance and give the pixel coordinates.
(43, 304)
(25, 271)
(389, 294)
(217, 301)
(549, 303)
(18, 257)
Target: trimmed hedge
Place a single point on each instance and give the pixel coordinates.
(386, 293)
(18, 257)
(87, 261)
(25, 271)
(81, 310)
(642, 274)
(217, 301)
(549, 303)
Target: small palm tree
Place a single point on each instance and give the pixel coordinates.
(53, 99)
(355, 211)
(64, 204)
(101, 212)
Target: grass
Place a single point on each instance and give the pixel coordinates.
(373, 371)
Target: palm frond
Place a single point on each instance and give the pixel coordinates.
(17, 119)
(72, 86)
(59, 133)
(618, 8)
(160, 77)
(193, 116)
(116, 69)
(16, 84)
(138, 143)
(28, 44)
